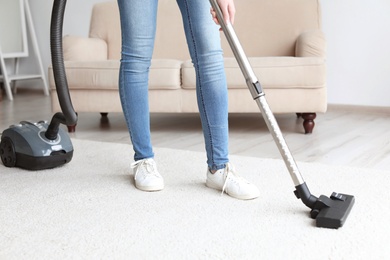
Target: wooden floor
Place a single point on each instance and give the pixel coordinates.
(348, 136)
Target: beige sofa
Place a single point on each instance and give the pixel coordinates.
(282, 38)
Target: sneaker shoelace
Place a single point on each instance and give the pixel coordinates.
(231, 175)
(149, 166)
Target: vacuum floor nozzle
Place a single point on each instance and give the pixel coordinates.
(332, 212)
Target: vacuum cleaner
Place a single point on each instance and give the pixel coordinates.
(43, 145)
(329, 212)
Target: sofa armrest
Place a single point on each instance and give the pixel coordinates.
(78, 48)
(311, 44)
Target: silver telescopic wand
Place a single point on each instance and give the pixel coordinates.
(258, 94)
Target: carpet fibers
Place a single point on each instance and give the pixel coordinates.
(90, 209)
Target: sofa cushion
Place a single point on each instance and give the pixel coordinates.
(311, 44)
(77, 48)
(105, 25)
(272, 72)
(274, 27)
(165, 74)
(104, 75)
(271, 27)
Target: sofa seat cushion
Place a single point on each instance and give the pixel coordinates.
(104, 75)
(272, 72)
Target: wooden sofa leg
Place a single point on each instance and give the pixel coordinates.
(104, 121)
(308, 122)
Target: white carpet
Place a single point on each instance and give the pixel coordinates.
(90, 209)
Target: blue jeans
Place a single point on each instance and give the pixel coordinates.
(138, 23)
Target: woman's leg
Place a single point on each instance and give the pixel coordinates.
(203, 38)
(138, 23)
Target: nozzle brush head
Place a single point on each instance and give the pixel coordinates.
(337, 209)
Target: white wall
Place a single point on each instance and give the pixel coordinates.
(358, 60)
(13, 43)
(357, 33)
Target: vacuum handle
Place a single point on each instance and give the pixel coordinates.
(250, 77)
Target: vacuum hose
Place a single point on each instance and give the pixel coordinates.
(68, 115)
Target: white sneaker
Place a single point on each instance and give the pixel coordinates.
(228, 181)
(146, 176)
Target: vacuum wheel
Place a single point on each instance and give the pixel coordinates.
(7, 152)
